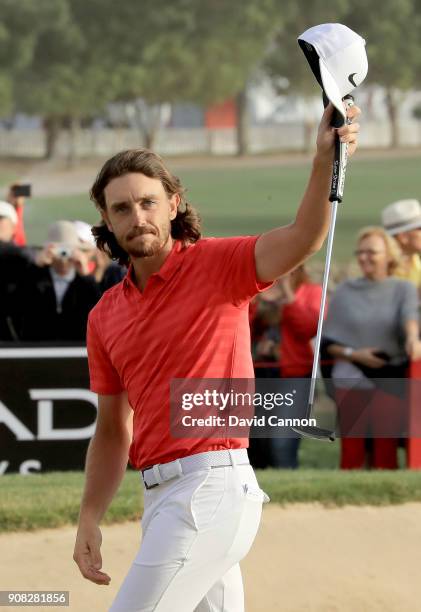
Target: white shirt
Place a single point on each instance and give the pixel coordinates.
(61, 284)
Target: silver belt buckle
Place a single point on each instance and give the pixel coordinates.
(149, 467)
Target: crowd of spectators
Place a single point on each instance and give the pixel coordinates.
(371, 334)
(46, 293)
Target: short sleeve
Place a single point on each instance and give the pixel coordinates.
(410, 303)
(232, 267)
(104, 378)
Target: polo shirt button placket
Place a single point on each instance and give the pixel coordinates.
(145, 296)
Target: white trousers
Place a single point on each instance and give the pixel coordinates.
(196, 528)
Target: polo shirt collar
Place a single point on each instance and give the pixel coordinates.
(168, 268)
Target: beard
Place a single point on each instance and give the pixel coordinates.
(150, 244)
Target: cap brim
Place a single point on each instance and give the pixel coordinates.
(407, 227)
(331, 89)
(11, 219)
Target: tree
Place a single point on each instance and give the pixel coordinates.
(55, 71)
(143, 50)
(201, 52)
(76, 56)
(392, 36)
(18, 31)
(58, 84)
(286, 60)
(230, 42)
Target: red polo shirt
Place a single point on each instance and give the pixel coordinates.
(191, 321)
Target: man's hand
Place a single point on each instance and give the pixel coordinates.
(45, 257)
(16, 201)
(81, 260)
(347, 133)
(87, 553)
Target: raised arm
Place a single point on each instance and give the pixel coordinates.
(282, 249)
(106, 463)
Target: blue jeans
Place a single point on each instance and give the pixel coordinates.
(284, 452)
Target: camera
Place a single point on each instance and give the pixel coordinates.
(62, 251)
(21, 190)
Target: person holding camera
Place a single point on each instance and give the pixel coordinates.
(57, 293)
(370, 333)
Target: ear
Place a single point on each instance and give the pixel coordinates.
(106, 220)
(174, 204)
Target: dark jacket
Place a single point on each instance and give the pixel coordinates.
(37, 316)
(14, 263)
(112, 275)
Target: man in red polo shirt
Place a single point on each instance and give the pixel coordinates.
(180, 313)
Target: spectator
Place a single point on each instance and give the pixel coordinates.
(264, 323)
(299, 316)
(371, 330)
(8, 222)
(265, 334)
(402, 220)
(14, 262)
(106, 272)
(18, 203)
(56, 296)
(298, 325)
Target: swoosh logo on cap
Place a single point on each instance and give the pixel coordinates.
(351, 79)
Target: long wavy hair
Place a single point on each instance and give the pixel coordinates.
(186, 225)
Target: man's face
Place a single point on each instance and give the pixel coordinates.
(139, 213)
(7, 229)
(62, 265)
(410, 241)
(415, 240)
(372, 256)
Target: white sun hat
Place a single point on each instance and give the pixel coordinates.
(338, 59)
(401, 216)
(84, 233)
(63, 232)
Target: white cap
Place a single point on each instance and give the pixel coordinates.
(342, 59)
(8, 211)
(401, 216)
(84, 234)
(63, 232)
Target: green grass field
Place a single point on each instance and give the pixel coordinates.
(234, 201)
(52, 500)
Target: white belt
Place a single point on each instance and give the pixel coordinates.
(155, 475)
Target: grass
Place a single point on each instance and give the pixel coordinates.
(52, 500)
(234, 201)
(336, 488)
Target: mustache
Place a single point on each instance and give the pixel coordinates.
(140, 231)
